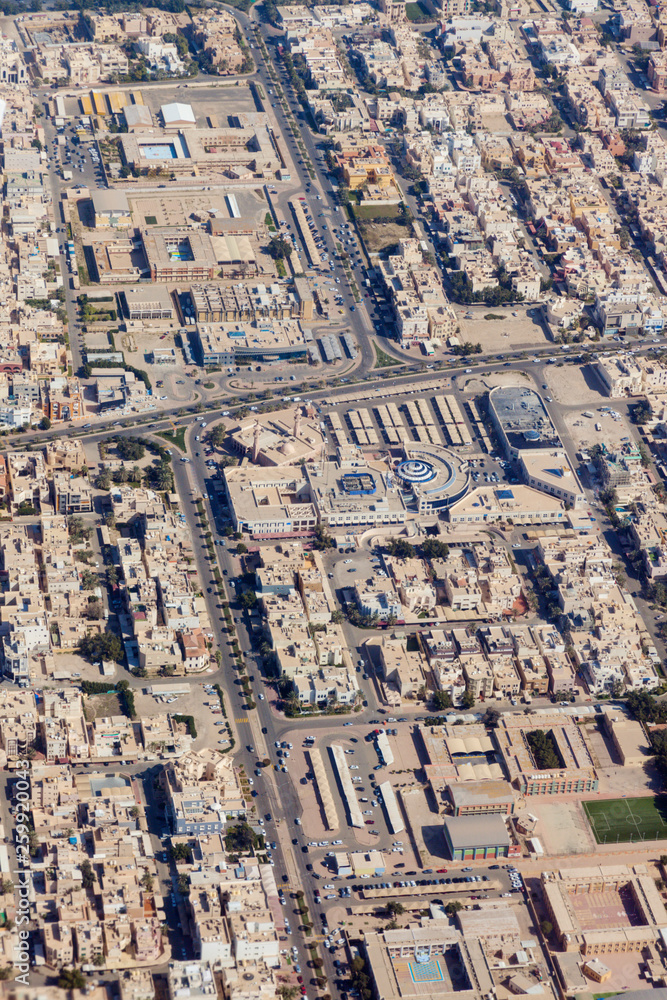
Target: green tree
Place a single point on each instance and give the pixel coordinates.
(129, 449)
(248, 599)
(467, 700)
(217, 435)
(453, 907)
(400, 548)
(279, 247)
(433, 548)
(106, 646)
(88, 879)
(99, 961)
(89, 580)
(441, 700)
(546, 927)
(241, 548)
(240, 838)
(45, 424)
(394, 909)
(71, 979)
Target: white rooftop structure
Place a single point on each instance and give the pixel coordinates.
(177, 114)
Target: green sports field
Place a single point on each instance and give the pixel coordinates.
(628, 820)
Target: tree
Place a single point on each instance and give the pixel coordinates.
(400, 548)
(99, 961)
(184, 884)
(89, 580)
(453, 907)
(45, 424)
(94, 611)
(394, 909)
(433, 548)
(287, 992)
(87, 875)
(321, 540)
(441, 700)
(279, 247)
(6, 886)
(546, 927)
(71, 979)
(106, 646)
(129, 449)
(248, 599)
(147, 881)
(241, 548)
(217, 435)
(181, 852)
(467, 700)
(240, 838)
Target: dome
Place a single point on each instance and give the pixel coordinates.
(287, 448)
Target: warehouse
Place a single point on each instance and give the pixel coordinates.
(472, 837)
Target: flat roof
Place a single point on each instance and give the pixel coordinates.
(110, 200)
(481, 793)
(477, 831)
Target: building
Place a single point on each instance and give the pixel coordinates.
(177, 116)
(481, 798)
(147, 302)
(629, 737)
(179, 255)
(521, 420)
(571, 894)
(470, 838)
(357, 497)
(110, 208)
(270, 502)
(576, 773)
(458, 963)
(71, 495)
(552, 472)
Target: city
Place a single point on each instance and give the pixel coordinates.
(333, 500)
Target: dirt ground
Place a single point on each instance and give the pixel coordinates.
(562, 827)
(571, 382)
(380, 235)
(583, 433)
(477, 385)
(102, 706)
(510, 331)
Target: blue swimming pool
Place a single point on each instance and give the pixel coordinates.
(159, 151)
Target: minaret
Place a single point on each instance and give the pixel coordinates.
(255, 443)
(297, 422)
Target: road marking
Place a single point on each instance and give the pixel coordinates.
(241, 720)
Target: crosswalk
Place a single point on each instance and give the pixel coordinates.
(244, 719)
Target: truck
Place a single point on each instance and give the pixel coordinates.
(598, 427)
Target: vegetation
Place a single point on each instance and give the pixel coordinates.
(544, 749)
(106, 646)
(129, 449)
(384, 360)
(241, 839)
(71, 979)
(189, 721)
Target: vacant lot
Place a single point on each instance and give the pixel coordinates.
(628, 820)
(101, 706)
(379, 236)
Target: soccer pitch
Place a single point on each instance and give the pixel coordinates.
(628, 820)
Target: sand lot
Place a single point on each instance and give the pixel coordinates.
(571, 382)
(522, 330)
(563, 827)
(583, 434)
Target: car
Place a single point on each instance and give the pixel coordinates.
(369, 822)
